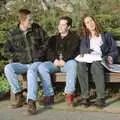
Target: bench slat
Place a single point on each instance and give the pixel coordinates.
(112, 77)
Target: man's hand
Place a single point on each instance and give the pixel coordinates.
(59, 63)
(56, 62)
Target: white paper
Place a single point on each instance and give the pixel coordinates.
(88, 58)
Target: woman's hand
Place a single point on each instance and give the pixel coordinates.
(110, 60)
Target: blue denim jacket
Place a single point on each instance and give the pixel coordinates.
(108, 47)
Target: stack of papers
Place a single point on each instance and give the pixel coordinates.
(88, 58)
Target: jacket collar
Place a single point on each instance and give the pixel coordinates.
(103, 37)
(28, 30)
(69, 34)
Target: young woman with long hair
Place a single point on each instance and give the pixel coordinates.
(97, 43)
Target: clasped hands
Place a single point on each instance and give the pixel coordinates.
(59, 63)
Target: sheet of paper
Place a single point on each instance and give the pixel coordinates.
(88, 58)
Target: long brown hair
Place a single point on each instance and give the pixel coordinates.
(85, 32)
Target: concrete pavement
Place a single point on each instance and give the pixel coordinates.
(57, 112)
(61, 111)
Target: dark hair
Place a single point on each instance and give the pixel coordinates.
(85, 31)
(23, 13)
(68, 19)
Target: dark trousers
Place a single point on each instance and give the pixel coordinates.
(97, 72)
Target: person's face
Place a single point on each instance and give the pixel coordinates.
(27, 22)
(89, 23)
(63, 27)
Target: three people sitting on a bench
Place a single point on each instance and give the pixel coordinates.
(33, 54)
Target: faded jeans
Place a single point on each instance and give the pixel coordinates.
(47, 68)
(12, 71)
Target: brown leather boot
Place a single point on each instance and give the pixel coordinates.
(48, 100)
(69, 99)
(20, 100)
(31, 107)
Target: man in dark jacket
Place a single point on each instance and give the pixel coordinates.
(26, 45)
(62, 49)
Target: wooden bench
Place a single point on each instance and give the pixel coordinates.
(23, 82)
(59, 77)
(111, 79)
(56, 78)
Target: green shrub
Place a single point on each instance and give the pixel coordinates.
(4, 85)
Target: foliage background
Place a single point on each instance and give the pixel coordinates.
(47, 15)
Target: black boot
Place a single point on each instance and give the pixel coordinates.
(85, 102)
(48, 100)
(100, 103)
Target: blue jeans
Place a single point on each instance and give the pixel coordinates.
(12, 71)
(47, 68)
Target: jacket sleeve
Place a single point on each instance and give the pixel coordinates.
(44, 42)
(9, 47)
(85, 45)
(50, 50)
(41, 45)
(74, 49)
(113, 52)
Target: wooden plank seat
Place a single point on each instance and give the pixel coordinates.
(23, 82)
(110, 77)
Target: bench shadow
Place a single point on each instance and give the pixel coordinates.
(57, 100)
(43, 109)
(5, 96)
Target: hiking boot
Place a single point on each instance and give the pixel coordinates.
(31, 107)
(48, 100)
(20, 100)
(69, 99)
(100, 103)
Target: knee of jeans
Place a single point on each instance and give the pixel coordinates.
(72, 64)
(7, 68)
(31, 71)
(34, 66)
(42, 68)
